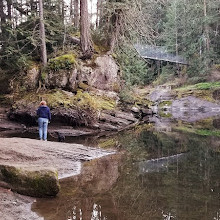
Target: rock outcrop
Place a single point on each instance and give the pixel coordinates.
(102, 73)
(31, 181)
(33, 167)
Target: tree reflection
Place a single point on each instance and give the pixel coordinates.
(113, 187)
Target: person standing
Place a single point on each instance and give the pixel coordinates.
(44, 116)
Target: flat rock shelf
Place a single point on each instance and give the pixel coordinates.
(34, 167)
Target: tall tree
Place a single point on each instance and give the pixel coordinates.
(85, 35)
(76, 14)
(42, 34)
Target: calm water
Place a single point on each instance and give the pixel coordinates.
(155, 175)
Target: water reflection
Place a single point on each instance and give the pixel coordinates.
(159, 164)
(156, 175)
(217, 215)
(77, 213)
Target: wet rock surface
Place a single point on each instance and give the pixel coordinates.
(14, 206)
(114, 120)
(193, 109)
(34, 156)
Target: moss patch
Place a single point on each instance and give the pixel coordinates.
(66, 62)
(59, 98)
(165, 103)
(200, 90)
(165, 114)
(108, 143)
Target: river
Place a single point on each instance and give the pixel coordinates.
(168, 172)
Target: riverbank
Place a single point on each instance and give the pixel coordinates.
(24, 161)
(14, 206)
(29, 155)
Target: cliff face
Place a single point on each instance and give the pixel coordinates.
(79, 93)
(101, 73)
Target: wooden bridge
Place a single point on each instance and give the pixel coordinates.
(158, 53)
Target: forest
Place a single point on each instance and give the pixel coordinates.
(133, 88)
(34, 32)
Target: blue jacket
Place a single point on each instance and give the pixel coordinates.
(44, 112)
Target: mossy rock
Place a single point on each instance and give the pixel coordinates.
(108, 143)
(165, 104)
(165, 114)
(31, 182)
(65, 61)
(83, 86)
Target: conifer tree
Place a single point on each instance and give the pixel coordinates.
(42, 35)
(85, 36)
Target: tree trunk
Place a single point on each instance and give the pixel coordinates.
(42, 35)
(99, 13)
(3, 23)
(76, 14)
(115, 34)
(85, 37)
(71, 11)
(63, 11)
(2, 13)
(9, 5)
(207, 40)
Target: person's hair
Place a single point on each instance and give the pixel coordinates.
(43, 103)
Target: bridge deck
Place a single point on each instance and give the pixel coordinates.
(164, 59)
(159, 53)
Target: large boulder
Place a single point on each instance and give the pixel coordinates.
(31, 78)
(104, 74)
(28, 181)
(101, 73)
(65, 79)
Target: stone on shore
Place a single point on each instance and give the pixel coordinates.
(31, 182)
(33, 167)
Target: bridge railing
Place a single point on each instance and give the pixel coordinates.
(158, 53)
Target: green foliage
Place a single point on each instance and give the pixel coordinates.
(22, 42)
(165, 114)
(134, 68)
(196, 79)
(66, 62)
(201, 86)
(126, 95)
(167, 75)
(190, 33)
(208, 85)
(165, 103)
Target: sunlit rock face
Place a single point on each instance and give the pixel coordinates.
(102, 75)
(31, 78)
(26, 80)
(65, 79)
